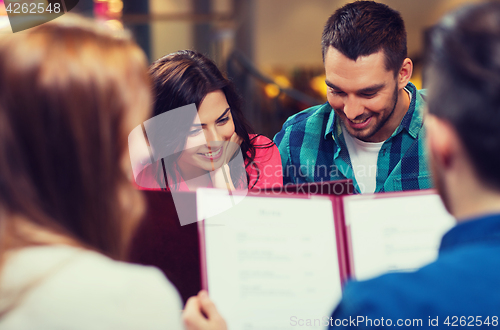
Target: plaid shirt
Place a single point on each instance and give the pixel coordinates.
(313, 148)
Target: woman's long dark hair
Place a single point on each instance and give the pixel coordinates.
(186, 77)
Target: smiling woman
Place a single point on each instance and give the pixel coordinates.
(208, 145)
(208, 140)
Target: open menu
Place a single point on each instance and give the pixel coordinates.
(269, 261)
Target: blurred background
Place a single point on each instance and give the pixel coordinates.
(270, 48)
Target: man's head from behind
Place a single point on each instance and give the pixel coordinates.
(364, 51)
(462, 74)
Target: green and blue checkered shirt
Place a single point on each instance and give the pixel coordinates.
(313, 149)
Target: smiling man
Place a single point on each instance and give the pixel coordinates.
(370, 130)
(462, 286)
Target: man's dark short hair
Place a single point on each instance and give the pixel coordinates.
(363, 28)
(462, 72)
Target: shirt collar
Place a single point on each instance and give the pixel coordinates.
(411, 122)
(413, 119)
(484, 228)
(330, 125)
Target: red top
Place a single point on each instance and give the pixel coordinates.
(268, 161)
(268, 173)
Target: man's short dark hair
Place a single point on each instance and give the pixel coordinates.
(462, 72)
(363, 28)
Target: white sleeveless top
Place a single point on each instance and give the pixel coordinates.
(73, 288)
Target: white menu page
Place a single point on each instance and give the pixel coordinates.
(271, 262)
(396, 233)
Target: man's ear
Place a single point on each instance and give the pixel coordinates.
(405, 73)
(441, 141)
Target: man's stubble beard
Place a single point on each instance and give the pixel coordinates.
(381, 124)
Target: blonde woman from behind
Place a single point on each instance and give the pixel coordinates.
(70, 92)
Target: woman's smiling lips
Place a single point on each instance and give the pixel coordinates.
(212, 155)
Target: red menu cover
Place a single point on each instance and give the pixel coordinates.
(161, 241)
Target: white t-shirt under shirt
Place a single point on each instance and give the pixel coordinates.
(364, 157)
(73, 288)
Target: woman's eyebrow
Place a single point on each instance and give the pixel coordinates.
(220, 117)
(225, 113)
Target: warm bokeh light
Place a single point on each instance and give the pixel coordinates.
(282, 81)
(318, 85)
(2, 8)
(110, 12)
(115, 6)
(416, 79)
(274, 90)
(108, 9)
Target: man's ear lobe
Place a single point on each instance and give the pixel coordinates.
(405, 73)
(441, 140)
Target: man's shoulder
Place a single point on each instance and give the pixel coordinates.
(384, 292)
(445, 286)
(423, 282)
(316, 116)
(397, 296)
(420, 95)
